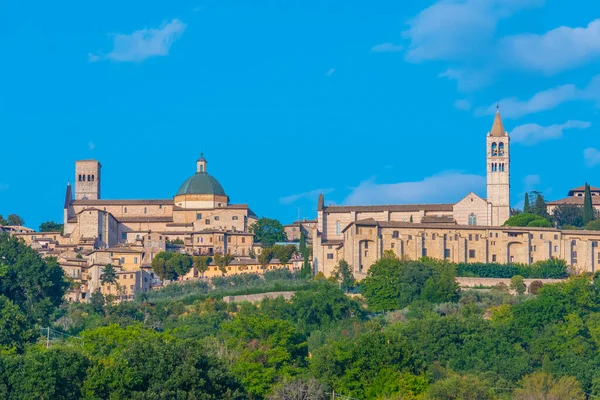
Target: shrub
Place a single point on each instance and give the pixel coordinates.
(535, 286)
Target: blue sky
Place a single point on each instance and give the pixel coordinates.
(368, 102)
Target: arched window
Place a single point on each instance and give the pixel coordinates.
(92, 178)
(502, 167)
(494, 149)
(501, 149)
(472, 219)
(202, 168)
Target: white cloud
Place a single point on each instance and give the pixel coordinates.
(310, 195)
(142, 44)
(464, 105)
(554, 51)
(91, 145)
(330, 72)
(545, 100)
(533, 133)
(463, 34)
(448, 186)
(591, 156)
(450, 29)
(387, 48)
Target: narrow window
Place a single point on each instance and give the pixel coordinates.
(145, 210)
(135, 260)
(501, 149)
(472, 220)
(338, 229)
(243, 240)
(494, 149)
(493, 258)
(125, 210)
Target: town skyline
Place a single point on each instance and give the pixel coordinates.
(350, 120)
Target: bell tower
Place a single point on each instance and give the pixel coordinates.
(498, 172)
(87, 180)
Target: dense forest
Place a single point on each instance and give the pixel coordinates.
(411, 333)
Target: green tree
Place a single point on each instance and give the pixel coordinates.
(284, 253)
(306, 267)
(201, 263)
(588, 208)
(97, 302)
(460, 387)
(393, 284)
(265, 257)
(56, 373)
(302, 246)
(539, 206)
(109, 275)
(526, 206)
(222, 261)
(568, 214)
(344, 275)
(268, 231)
(441, 287)
(593, 225)
(531, 220)
(14, 219)
(3, 221)
(162, 268)
(180, 264)
(518, 284)
(51, 226)
(31, 289)
(139, 363)
(542, 386)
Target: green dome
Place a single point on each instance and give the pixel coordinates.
(201, 183)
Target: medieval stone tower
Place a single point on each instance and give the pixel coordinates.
(498, 172)
(87, 180)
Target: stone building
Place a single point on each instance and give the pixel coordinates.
(468, 231)
(200, 205)
(575, 198)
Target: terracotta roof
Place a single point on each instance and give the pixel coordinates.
(575, 200)
(119, 250)
(438, 219)
(398, 224)
(582, 189)
(121, 202)
(392, 207)
(497, 127)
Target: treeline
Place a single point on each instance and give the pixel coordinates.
(415, 335)
(548, 269)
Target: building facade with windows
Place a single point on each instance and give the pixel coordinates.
(468, 231)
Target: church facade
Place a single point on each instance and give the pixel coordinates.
(467, 231)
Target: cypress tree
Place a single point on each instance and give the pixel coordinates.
(526, 206)
(302, 246)
(539, 207)
(588, 208)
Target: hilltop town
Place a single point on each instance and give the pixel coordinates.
(219, 238)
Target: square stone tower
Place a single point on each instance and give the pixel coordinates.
(87, 180)
(498, 172)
